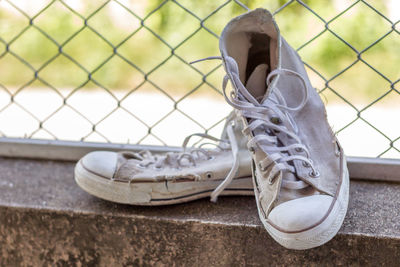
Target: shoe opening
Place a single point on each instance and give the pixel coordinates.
(258, 53)
(252, 42)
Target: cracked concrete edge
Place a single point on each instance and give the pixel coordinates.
(28, 237)
(73, 212)
(153, 219)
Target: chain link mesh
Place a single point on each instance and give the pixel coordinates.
(68, 53)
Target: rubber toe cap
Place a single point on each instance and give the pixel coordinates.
(102, 163)
(301, 213)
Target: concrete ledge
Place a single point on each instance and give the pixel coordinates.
(45, 219)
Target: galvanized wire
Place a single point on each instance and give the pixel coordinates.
(146, 73)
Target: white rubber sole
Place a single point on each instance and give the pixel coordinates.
(155, 193)
(320, 234)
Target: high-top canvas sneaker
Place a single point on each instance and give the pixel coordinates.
(299, 169)
(148, 179)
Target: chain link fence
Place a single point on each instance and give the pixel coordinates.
(118, 71)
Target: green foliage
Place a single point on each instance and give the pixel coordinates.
(360, 27)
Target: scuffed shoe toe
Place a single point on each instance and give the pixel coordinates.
(102, 163)
(299, 214)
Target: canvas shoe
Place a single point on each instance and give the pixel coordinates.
(299, 169)
(148, 179)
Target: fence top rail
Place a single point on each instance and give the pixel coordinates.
(376, 169)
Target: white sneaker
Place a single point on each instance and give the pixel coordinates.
(299, 169)
(147, 179)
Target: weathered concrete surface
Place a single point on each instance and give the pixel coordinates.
(45, 219)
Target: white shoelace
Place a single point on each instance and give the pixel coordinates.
(174, 159)
(235, 166)
(269, 119)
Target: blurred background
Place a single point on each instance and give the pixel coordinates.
(117, 71)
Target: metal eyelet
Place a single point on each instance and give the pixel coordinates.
(252, 150)
(299, 149)
(275, 120)
(263, 169)
(210, 158)
(271, 180)
(306, 164)
(314, 174)
(209, 175)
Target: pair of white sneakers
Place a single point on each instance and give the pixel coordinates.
(295, 168)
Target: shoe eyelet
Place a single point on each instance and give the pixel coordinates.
(271, 180)
(209, 175)
(210, 158)
(263, 169)
(306, 164)
(252, 150)
(299, 149)
(157, 168)
(314, 174)
(276, 120)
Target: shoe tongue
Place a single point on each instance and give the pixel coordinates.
(288, 176)
(256, 84)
